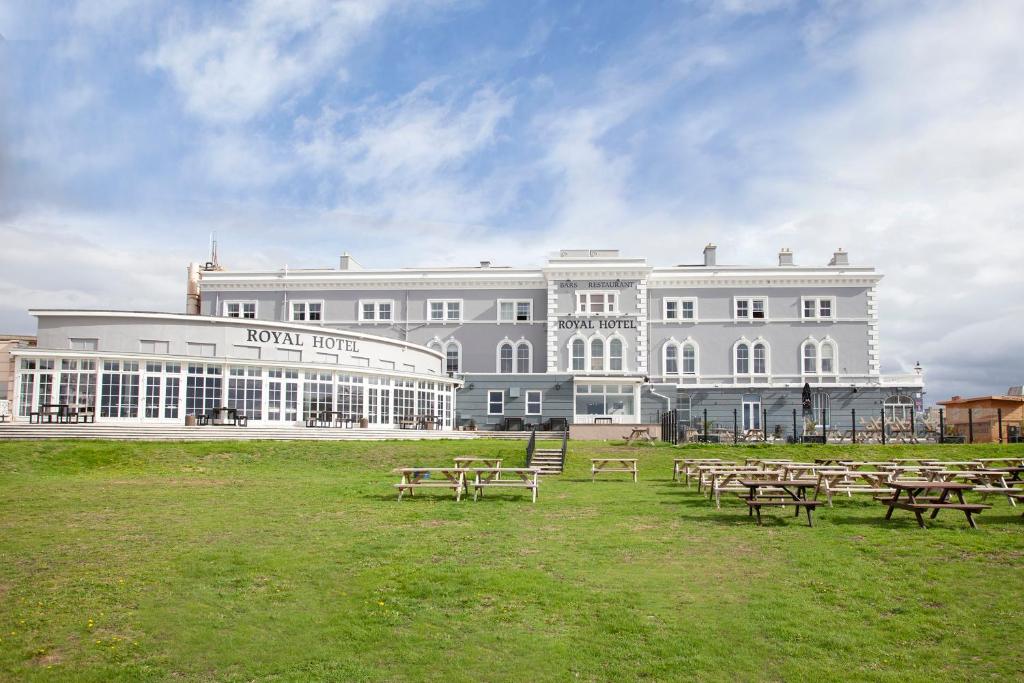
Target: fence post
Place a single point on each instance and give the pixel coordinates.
(796, 439)
(883, 426)
(824, 431)
(913, 425)
(735, 428)
(970, 425)
(704, 426)
(764, 425)
(999, 414)
(853, 421)
(942, 425)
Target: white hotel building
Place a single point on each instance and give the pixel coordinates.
(589, 336)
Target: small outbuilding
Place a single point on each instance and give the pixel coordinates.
(982, 416)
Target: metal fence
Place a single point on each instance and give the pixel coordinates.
(876, 428)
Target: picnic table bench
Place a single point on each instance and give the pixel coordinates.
(833, 481)
(917, 503)
(420, 477)
(780, 492)
(684, 466)
(603, 465)
(522, 478)
(640, 434)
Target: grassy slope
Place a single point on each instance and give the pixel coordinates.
(287, 561)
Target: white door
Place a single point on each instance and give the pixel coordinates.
(751, 412)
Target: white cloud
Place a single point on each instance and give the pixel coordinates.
(237, 67)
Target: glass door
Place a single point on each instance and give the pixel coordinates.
(751, 411)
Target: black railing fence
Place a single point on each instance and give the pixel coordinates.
(833, 426)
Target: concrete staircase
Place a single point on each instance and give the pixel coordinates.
(22, 431)
(548, 460)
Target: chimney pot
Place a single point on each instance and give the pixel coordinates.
(710, 257)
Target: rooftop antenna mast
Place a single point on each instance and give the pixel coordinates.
(214, 262)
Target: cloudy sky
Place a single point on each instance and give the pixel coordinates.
(420, 132)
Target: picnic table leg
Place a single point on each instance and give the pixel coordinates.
(892, 504)
(758, 509)
(942, 499)
(810, 511)
(634, 473)
(920, 519)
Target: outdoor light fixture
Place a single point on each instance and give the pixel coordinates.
(558, 386)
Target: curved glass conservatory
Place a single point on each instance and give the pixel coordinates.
(163, 367)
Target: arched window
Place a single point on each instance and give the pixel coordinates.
(689, 359)
(579, 354)
(523, 357)
(742, 359)
(898, 407)
(505, 357)
(810, 356)
(597, 354)
(615, 354)
(671, 359)
(760, 359)
(828, 355)
(453, 357)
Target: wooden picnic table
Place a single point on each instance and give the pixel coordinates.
(638, 434)
(684, 466)
(1014, 472)
(469, 461)
(780, 492)
(918, 499)
(420, 477)
(603, 465)
(522, 477)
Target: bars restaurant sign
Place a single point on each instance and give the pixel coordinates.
(597, 284)
(318, 341)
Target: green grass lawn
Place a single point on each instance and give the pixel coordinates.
(276, 561)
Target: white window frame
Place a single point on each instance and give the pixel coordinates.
(572, 358)
(750, 309)
(669, 345)
(376, 303)
(444, 310)
(515, 310)
(515, 356)
(539, 402)
(305, 304)
(678, 301)
(750, 373)
(240, 303)
(587, 295)
(818, 346)
(817, 301)
(491, 392)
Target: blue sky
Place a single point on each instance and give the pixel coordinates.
(450, 131)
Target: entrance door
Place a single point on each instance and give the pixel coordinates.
(751, 411)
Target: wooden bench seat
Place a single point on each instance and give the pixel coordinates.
(756, 504)
(522, 478)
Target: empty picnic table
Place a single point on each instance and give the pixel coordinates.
(639, 434)
(477, 461)
(684, 466)
(603, 465)
(781, 492)
(522, 477)
(420, 477)
(919, 500)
